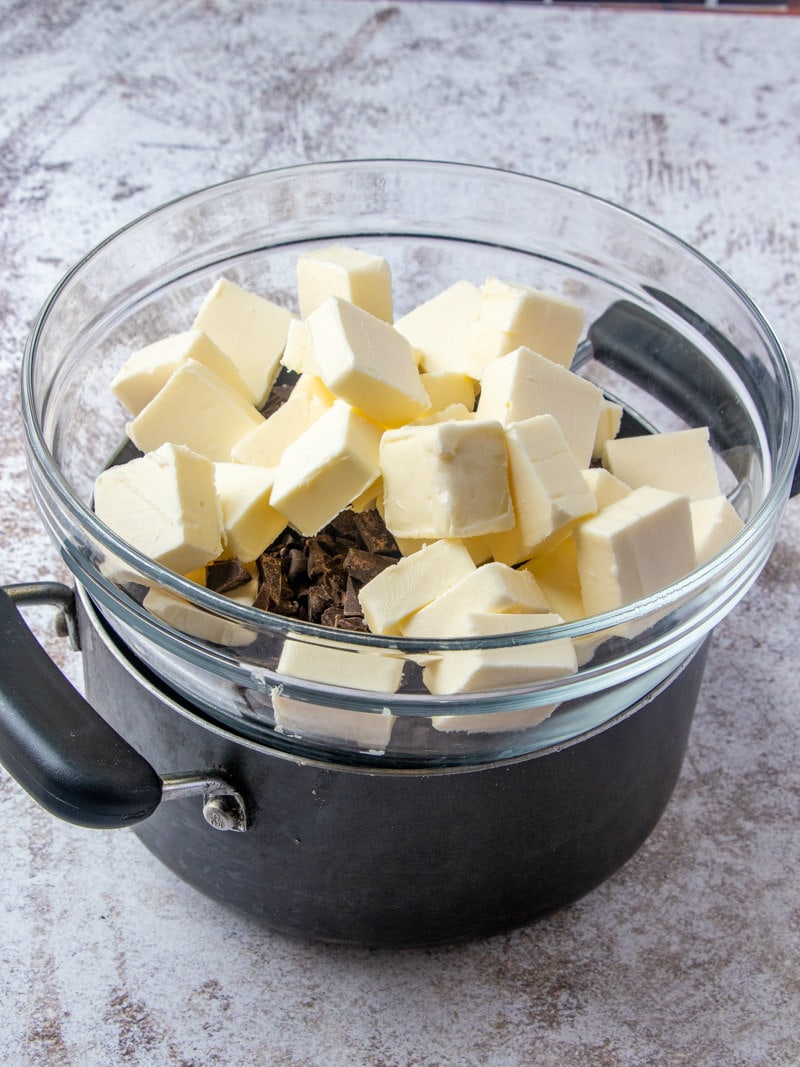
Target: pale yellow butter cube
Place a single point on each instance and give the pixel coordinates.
(371, 497)
(510, 316)
(249, 523)
(446, 480)
(634, 547)
(180, 614)
(439, 329)
(264, 446)
(556, 573)
(367, 732)
(608, 425)
(165, 505)
(411, 583)
(523, 383)
(494, 588)
(488, 669)
(680, 461)
(606, 488)
(298, 355)
(359, 277)
(447, 388)
(366, 362)
(476, 546)
(548, 490)
(714, 522)
(326, 468)
(249, 329)
(148, 370)
(452, 413)
(339, 665)
(196, 409)
(343, 665)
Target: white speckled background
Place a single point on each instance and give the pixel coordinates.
(691, 954)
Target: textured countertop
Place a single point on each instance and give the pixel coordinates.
(691, 954)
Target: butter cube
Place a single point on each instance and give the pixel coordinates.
(358, 277)
(264, 446)
(439, 329)
(371, 497)
(447, 388)
(523, 383)
(348, 666)
(476, 546)
(182, 615)
(328, 465)
(148, 370)
(249, 329)
(411, 583)
(367, 732)
(367, 363)
(556, 574)
(488, 669)
(548, 490)
(196, 409)
(680, 462)
(608, 425)
(634, 547)
(606, 488)
(298, 355)
(249, 523)
(452, 413)
(511, 316)
(493, 588)
(165, 505)
(351, 668)
(446, 480)
(714, 522)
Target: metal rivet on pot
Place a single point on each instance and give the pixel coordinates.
(222, 813)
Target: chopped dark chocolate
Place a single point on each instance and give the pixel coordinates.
(318, 578)
(373, 532)
(364, 566)
(226, 574)
(351, 605)
(319, 561)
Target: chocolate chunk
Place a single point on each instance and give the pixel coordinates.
(226, 574)
(271, 576)
(345, 527)
(373, 532)
(351, 605)
(319, 561)
(363, 566)
(297, 569)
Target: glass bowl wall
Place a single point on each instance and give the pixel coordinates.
(668, 335)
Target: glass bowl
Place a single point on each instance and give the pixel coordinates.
(669, 336)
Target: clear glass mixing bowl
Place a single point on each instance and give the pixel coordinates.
(669, 335)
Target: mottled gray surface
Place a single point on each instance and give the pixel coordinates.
(689, 956)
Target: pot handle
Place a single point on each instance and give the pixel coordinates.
(57, 747)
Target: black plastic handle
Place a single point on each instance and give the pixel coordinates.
(56, 745)
(652, 354)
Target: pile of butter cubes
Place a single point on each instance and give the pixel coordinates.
(496, 468)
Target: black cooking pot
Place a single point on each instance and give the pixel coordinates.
(365, 819)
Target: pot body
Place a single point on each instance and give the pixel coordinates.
(382, 857)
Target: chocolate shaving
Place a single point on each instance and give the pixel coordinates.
(226, 574)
